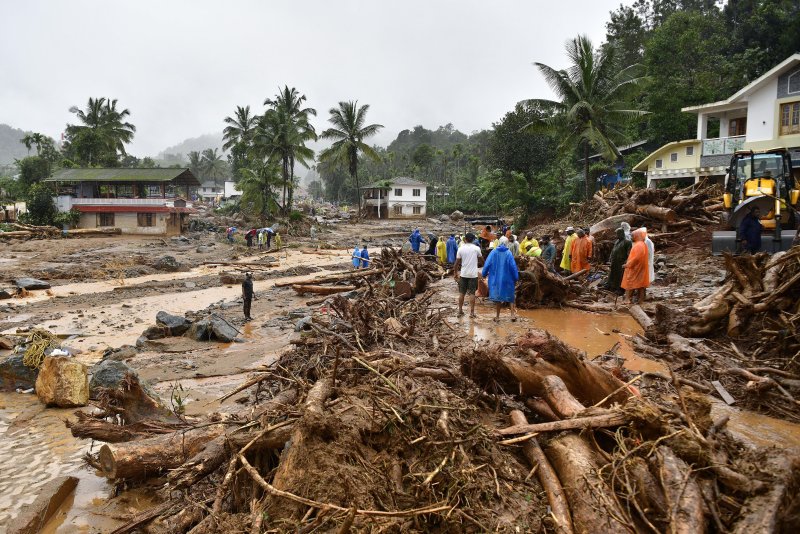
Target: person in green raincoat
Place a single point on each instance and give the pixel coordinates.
(619, 255)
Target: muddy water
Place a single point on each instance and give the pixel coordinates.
(593, 333)
(36, 447)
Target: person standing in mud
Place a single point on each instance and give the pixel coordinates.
(566, 261)
(465, 271)
(619, 254)
(503, 274)
(548, 253)
(636, 276)
(247, 295)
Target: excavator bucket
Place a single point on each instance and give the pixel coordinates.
(764, 203)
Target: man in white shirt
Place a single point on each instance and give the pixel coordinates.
(465, 272)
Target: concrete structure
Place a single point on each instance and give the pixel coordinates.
(138, 201)
(230, 190)
(396, 198)
(209, 190)
(765, 114)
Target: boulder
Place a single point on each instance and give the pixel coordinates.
(15, 374)
(444, 218)
(155, 332)
(168, 263)
(111, 374)
(176, 324)
(222, 330)
(124, 352)
(31, 283)
(200, 330)
(62, 382)
(229, 278)
(6, 343)
(203, 249)
(456, 216)
(212, 327)
(6, 294)
(303, 324)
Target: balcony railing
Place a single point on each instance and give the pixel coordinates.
(65, 202)
(722, 145)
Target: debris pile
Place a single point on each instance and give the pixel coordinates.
(383, 417)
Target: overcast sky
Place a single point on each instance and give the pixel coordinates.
(182, 66)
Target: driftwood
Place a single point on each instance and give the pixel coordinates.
(321, 290)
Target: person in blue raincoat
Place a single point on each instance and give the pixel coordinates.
(416, 239)
(452, 249)
(364, 257)
(503, 274)
(356, 257)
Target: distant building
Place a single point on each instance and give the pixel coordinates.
(138, 201)
(230, 191)
(762, 115)
(396, 198)
(209, 190)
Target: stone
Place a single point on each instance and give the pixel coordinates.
(14, 374)
(6, 294)
(176, 324)
(229, 278)
(125, 352)
(203, 249)
(155, 332)
(303, 324)
(49, 499)
(444, 218)
(110, 374)
(212, 327)
(222, 330)
(199, 330)
(62, 382)
(456, 216)
(6, 343)
(168, 263)
(31, 283)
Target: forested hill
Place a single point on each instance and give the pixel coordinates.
(194, 144)
(10, 147)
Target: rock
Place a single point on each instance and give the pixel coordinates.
(444, 218)
(189, 285)
(167, 263)
(49, 499)
(303, 324)
(63, 382)
(229, 278)
(141, 342)
(6, 343)
(155, 332)
(125, 352)
(6, 294)
(176, 324)
(15, 374)
(212, 327)
(31, 283)
(110, 374)
(456, 216)
(222, 330)
(203, 249)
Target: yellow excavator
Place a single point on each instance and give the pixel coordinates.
(766, 180)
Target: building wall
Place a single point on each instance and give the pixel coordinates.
(761, 113)
(783, 83)
(128, 223)
(408, 209)
(408, 191)
(683, 162)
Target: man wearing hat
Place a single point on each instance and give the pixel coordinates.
(247, 295)
(566, 259)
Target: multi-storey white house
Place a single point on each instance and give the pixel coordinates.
(763, 115)
(396, 198)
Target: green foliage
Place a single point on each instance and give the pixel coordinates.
(258, 189)
(101, 136)
(316, 190)
(32, 170)
(11, 189)
(41, 208)
(295, 216)
(69, 218)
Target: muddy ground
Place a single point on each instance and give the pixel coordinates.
(106, 291)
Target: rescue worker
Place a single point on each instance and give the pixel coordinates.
(565, 254)
(503, 274)
(636, 277)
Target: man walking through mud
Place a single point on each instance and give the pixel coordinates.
(247, 295)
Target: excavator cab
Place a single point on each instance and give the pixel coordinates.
(764, 180)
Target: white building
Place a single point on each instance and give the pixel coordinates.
(209, 190)
(396, 198)
(230, 190)
(765, 114)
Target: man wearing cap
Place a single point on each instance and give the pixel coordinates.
(247, 295)
(465, 272)
(566, 260)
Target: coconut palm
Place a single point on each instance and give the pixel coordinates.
(196, 163)
(103, 126)
(593, 93)
(239, 128)
(256, 185)
(213, 165)
(348, 134)
(34, 139)
(286, 124)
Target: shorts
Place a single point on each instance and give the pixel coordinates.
(467, 285)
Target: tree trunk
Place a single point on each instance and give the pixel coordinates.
(587, 185)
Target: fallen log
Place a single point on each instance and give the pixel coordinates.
(352, 275)
(547, 478)
(605, 420)
(321, 290)
(641, 317)
(606, 229)
(94, 231)
(684, 499)
(559, 398)
(657, 212)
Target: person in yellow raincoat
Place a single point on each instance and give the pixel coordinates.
(566, 260)
(525, 243)
(441, 251)
(534, 249)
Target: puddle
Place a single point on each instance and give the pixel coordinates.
(757, 429)
(590, 332)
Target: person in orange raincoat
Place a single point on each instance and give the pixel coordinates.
(636, 277)
(581, 253)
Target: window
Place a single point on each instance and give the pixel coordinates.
(105, 219)
(689, 150)
(151, 190)
(415, 192)
(673, 157)
(398, 210)
(106, 191)
(145, 219)
(794, 83)
(737, 127)
(417, 209)
(125, 191)
(659, 163)
(398, 192)
(790, 118)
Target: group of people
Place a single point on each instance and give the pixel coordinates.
(360, 257)
(261, 237)
(632, 263)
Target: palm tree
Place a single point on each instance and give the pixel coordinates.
(256, 186)
(106, 123)
(593, 91)
(348, 134)
(196, 164)
(239, 128)
(286, 125)
(212, 163)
